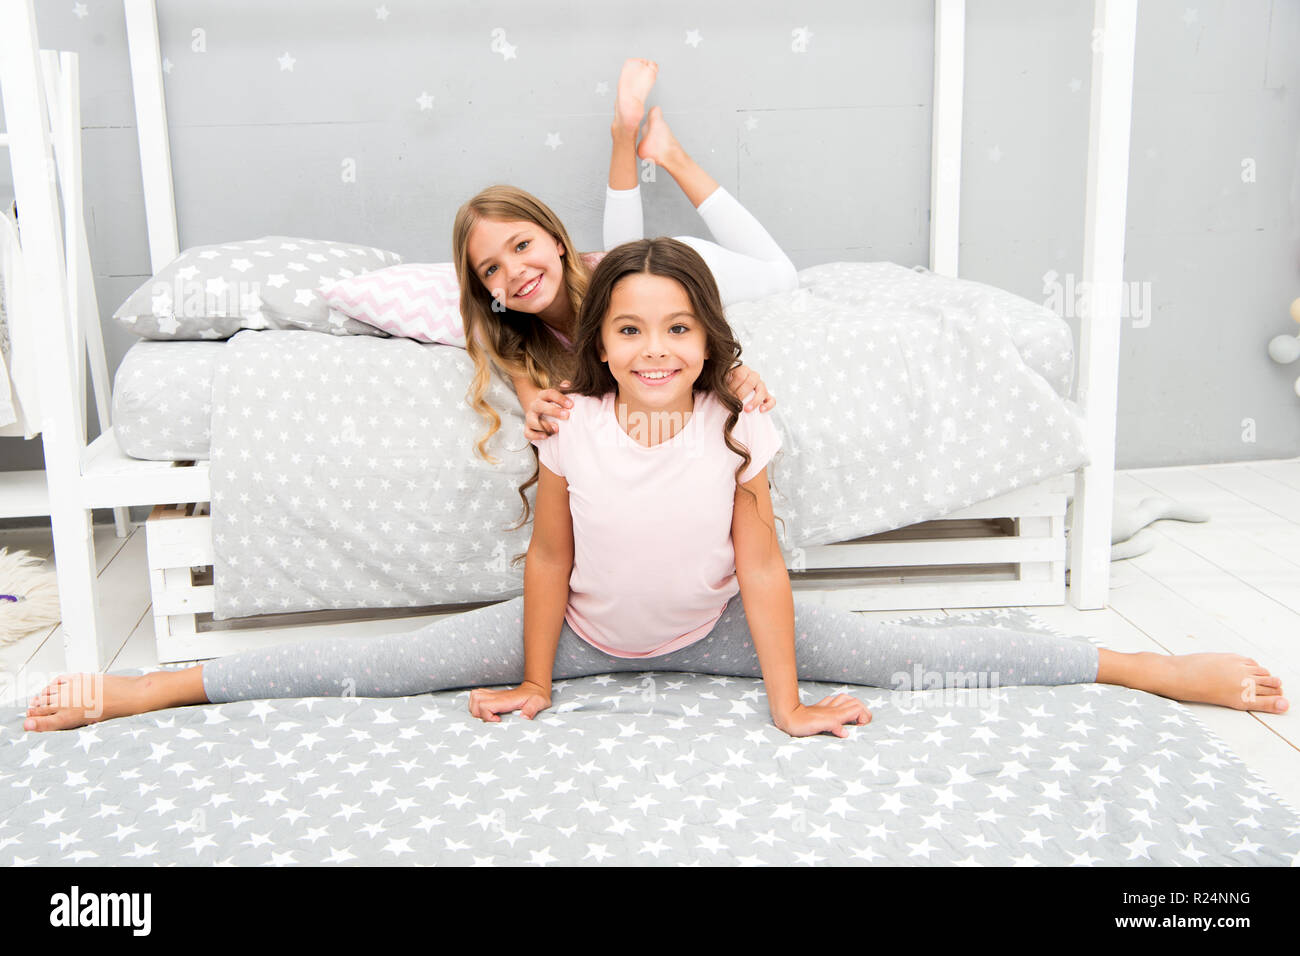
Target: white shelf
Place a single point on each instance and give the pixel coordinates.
(23, 494)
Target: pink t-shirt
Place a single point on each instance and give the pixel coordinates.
(653, 563)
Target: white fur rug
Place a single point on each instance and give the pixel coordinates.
(29, 597)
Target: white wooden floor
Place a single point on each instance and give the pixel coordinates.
(1231, 584)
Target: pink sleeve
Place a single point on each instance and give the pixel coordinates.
(548, 452)
(756, 432)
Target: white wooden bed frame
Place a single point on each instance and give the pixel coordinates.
(1007, 551)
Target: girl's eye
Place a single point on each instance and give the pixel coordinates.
(520, 245)
(679, 325)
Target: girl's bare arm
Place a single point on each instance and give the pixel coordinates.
(769, 611)
(546, 593)
(525, 389)
(765, 593)
(546, 577)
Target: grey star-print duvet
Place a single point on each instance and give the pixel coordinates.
(343, 472)
(162, 392)
(650, 769)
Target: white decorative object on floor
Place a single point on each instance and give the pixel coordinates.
(1128, 520)
(1140, 543)
(1128, 540)
(29, 596)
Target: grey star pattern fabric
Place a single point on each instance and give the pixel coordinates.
(276, 282)
(881, 289)
(648, 769)
(344, 475)
(162, 400)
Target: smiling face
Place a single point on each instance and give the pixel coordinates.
(521, 266)
(653, 342)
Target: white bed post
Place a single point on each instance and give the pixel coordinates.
(151, 128)
(63, 96)
(35, 180)
(945, 146)
(1114, 38)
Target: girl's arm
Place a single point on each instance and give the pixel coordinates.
(546, 593)
(547, 569)
(769, 610)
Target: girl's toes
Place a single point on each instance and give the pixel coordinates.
(44, 719)
(1267, 700)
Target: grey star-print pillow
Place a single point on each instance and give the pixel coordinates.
(276, 282)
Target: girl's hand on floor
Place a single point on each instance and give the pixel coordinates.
(528, 699)
(742, 380)
(551, 402)
(827, 715)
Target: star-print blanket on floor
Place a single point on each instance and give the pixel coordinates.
(343, 471)
(647, 769)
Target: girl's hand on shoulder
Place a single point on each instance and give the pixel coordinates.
(743, 380)
(528, 698)
(827, 715)
(550, 402)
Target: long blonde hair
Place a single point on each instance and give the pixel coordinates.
(515, 342)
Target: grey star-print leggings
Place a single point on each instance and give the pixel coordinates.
(485, 647)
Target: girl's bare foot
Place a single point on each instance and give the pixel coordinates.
(658, 142)
(634, 85)
(1228, 680)
(74, 700)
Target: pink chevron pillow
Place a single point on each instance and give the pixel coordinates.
(418, 301)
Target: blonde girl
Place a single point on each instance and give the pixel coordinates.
(654, 548)
(522, 285)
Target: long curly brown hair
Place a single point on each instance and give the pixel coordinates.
(679, 262)
(513, 341)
